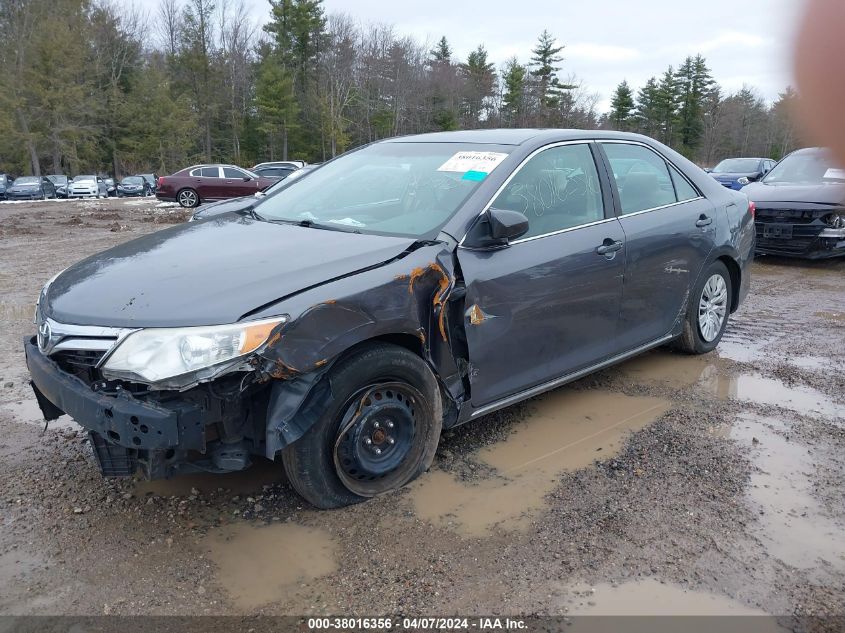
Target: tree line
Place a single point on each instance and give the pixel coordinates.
(91, 85)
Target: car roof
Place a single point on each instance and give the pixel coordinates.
(510, 136)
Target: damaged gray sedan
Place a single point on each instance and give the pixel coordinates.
(405, 287)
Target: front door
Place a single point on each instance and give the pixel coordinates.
(547, 304)
(669, 229)
(238, 183)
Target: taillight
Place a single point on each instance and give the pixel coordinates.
(752, 209)
(160, 181)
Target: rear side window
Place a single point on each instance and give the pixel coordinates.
(210, 172)
(683, 189)
(556, 189)
(642, 177)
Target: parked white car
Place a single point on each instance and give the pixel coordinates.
(87, 186)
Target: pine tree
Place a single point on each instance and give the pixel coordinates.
(667, 107)
(513, 98)
(276, 103)
(549, 88)
(646, 114)
(622, 107)
(442, 53)
(693, 83)
(480, 79)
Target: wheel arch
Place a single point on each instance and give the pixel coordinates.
(736, 278)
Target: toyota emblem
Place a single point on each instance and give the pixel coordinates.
(44, 334)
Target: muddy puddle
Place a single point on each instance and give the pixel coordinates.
(27, 411)
(791, 523)
(263, 472)
(678, 371)
(756, 388)
(651, 597)
(565, 430)
(260, 565)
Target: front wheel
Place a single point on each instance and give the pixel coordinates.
(708, 311)
(188, 198)
(378, 432)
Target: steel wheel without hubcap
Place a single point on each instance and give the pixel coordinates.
(376, 435)
(187, 198)
(712, 307)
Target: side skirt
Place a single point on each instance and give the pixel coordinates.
(562, 380)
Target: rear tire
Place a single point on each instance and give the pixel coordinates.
(379, 431)
(188, 198)
(708, 311)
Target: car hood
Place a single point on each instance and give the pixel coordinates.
(24, 187)
(208, 273)
(732, 175)
(224, 206)
(828, 194)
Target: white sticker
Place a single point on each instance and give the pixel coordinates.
(482, 162)
(835, 174)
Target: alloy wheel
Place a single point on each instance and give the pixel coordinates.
(712, 307)
(187, 198)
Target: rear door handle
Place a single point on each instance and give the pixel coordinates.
(608, 247)
(703, 221)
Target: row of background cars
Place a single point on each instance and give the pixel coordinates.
(800, 201)
(81, 186)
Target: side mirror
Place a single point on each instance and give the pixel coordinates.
(708, 169)
(496, 228)
(247, 178)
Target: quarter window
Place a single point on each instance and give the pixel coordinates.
(683, 189)
(210, 172)
(556, 189)
(642, 177)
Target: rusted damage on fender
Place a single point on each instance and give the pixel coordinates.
(408, 297)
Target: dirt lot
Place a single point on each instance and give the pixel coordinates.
(669, 484)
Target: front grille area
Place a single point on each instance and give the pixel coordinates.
(803, 235)
(81, 363)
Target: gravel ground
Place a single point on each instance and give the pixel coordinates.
(718, 476)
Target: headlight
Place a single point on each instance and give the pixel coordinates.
(200, 353)
(836, 220)
(743, 181)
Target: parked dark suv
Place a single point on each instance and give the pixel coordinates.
(412, 285)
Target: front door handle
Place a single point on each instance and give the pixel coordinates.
(703, 221)
(609, 246)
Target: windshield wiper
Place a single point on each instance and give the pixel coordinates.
(311, 224)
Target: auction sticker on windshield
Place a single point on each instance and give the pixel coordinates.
(479, 164)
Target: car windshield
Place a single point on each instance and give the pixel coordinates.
(737, 166)
(407, 189)
(132, 180)
(84, 178)
(815, 167)
(27, 180)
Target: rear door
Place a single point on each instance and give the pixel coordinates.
(548, 303)
(669, 230)
(209, 183)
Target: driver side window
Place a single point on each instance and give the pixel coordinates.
(557, 189)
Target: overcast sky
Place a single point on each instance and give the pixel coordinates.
(745, 42)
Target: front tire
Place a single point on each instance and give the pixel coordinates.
(708, 311)
(188, 198)
(378, 432)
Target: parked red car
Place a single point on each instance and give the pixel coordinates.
(204, 183)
